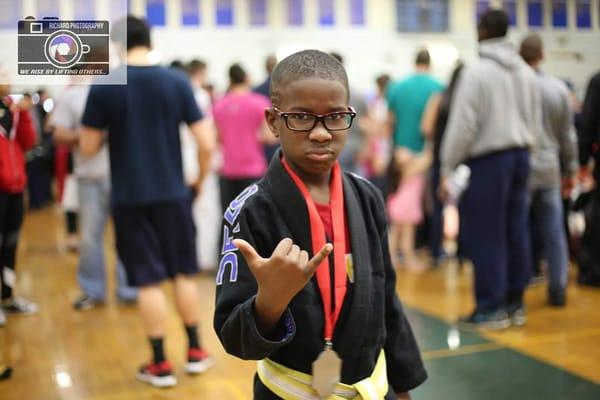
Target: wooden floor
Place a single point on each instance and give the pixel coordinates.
(63, 354)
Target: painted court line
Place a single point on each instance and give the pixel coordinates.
(470, 349)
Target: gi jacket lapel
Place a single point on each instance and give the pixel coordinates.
(290, 203)
(352, 327)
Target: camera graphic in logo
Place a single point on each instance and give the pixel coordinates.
(58, 47)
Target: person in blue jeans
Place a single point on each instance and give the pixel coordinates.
(555, 156)
(494, 121)
(93, 181)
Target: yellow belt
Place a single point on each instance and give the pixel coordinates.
(290, 384)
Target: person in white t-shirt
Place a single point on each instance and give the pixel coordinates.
(93, 181)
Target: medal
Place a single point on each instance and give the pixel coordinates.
(327, 368)
(326, 372)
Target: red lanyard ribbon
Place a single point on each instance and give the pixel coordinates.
(317, 233)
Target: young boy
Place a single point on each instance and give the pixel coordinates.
(313, 340)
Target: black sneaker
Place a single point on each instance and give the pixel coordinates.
(5, 372)
(127, 301)
(85, 303)
(537, 280)
(557, 298)
(493, 320)
(517, 315)
(21, 306)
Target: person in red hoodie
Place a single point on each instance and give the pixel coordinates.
(17, 135)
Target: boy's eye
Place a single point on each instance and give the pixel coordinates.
(335, 117)
(300, 117)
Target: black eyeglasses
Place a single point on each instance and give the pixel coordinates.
(305, 121)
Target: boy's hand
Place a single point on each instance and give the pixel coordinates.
(279, 277)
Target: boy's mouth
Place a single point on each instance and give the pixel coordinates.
(319, 154)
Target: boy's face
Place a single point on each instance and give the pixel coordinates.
(314, 151)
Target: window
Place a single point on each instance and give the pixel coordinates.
(326, 12)
(258, 12)
(155, 12)
(559, 13)
(510, 7)
(224, 12)
(47, 8)
(422, 16)
(583, 13)
(11, 12)
(295, 12)
(190, 12)
(535, 13)
(357, 12)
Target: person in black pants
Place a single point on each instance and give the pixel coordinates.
(589, 147)
(440, 105)
(495, 145)
(17, 135)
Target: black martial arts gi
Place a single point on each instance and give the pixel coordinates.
(371, 317)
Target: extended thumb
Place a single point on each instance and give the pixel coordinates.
(246, 249)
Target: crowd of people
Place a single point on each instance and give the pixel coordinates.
(495, 161)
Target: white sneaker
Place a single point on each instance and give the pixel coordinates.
(2, 318)
(198, 361)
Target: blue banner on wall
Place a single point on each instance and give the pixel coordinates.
(295, 12)
(583, 13)
(357, 12)
(535, 13)
(155, 12)
(224, 12)
(559, 13)
(326, 12)
(258, 12)
(190, 12)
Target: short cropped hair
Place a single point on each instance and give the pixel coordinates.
(195, 66)
(423, 57)
(382, 81)
(237, 75)
(495, 23)
(135, 30)
(270, 63)
(531, 48)
(306, 64)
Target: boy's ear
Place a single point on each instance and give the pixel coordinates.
(271, 118)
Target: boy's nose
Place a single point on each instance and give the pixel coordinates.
(319, 133)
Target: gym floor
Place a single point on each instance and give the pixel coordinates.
(64, 354)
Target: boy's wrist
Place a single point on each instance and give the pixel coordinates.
(268, 305)
(267, 313)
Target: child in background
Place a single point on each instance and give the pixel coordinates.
(305, 281)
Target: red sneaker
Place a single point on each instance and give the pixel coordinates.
(158, 375)
(198, 361)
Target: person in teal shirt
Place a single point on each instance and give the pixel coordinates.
(407, 100)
